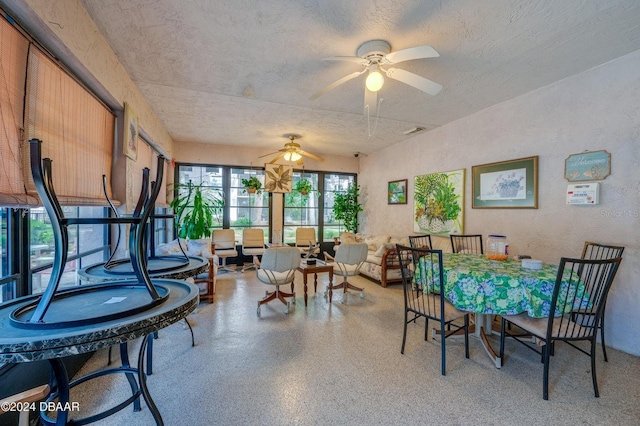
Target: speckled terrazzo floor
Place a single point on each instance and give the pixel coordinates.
(340, 364)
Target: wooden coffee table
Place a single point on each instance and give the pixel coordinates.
(316, 269)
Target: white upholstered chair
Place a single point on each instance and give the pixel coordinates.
(252, 245)
(224, 241)
(347, 263)
(306, 242)
(277, 268)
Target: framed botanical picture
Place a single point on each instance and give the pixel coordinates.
(509, 184)
(397, 192)
(130, 133)
(278, 178)
(438, 200)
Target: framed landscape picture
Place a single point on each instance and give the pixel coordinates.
(509, 184)
(397, 192)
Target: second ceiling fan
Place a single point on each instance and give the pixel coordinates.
(292, 152)
(375, 56)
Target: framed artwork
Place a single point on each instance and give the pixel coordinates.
(590, 165)
(130, 133)
(438, 200)
(397, 192)
(278, 178)
(509, 184)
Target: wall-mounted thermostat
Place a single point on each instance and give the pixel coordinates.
(583, 194)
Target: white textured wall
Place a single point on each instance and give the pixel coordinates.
(598, 109)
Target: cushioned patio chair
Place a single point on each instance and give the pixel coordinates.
(277, 268)
(252, 245)
(224, 241)
(347, 263)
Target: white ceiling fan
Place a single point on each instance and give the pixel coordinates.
(375, 56)
(292, 152)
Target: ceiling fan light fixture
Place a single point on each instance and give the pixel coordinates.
(292, 156)
(374, 81)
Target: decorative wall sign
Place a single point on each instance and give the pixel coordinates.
(438, 200)
(508, 184)
(590, 165)
(130, 133)
(397, 192)
(278, 178)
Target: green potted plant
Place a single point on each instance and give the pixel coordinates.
(196, 209)
(305, 187)
(252, 185)
(346, 207)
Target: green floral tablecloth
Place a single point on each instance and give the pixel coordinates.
(476, 284)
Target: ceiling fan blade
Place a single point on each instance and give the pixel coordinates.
(355, 59)
(336, 84)
(418, 52)
(266, 155)
(310, 155)
(277, 157)
(420, 83)
(370, 101)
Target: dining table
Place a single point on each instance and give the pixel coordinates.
(488, 287)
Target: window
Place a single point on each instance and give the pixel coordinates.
(244, 210)
(211, 179)
(333, 183)
(247, 210)
(7, 281)
(301, 210)
(88, 244)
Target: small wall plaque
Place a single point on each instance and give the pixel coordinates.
(590, 165)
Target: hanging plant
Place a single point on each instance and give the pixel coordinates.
(252, 185)
(305, 187)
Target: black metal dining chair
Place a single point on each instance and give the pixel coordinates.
(469, 244)
(592, 250)
(422, 286)
(420, 241)
(581, 289)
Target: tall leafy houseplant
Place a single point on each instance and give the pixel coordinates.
(346, 207)
(195, 210)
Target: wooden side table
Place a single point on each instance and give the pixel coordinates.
(316, 269)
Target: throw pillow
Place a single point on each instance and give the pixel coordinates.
(171, 248)
(348, 238)
(383, 248)
(374, 243)
(404, 241)
(201, 247)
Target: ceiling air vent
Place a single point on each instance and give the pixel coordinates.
(413, 131)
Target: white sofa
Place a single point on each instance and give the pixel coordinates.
(382, 263)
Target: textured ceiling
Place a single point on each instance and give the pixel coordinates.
(241, 72)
